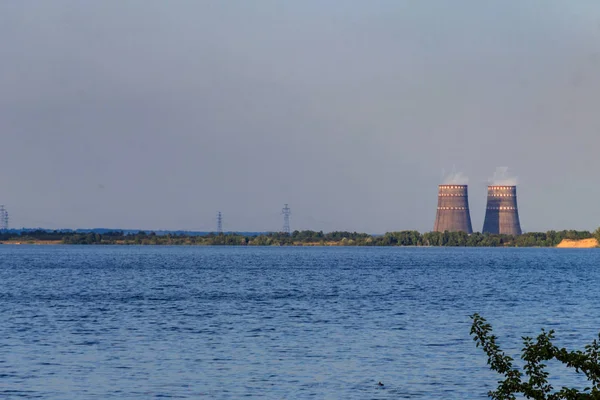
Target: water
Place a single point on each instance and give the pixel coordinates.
(278, 323)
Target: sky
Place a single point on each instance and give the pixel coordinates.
(157, 114)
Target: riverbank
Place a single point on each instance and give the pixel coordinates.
(564, 244)
(578, 239)
(578, 244)
(34, 242)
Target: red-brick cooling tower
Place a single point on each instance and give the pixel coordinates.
(501, 213)
(453, 209)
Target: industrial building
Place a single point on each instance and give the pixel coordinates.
(501, 213)
(453, 209)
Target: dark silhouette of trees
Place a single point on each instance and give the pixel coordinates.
(307, 238)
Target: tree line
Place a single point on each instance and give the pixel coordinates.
(309, 238)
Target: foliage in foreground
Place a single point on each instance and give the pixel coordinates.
(534, 383)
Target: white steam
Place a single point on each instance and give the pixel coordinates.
(455, 178)
(502, 178)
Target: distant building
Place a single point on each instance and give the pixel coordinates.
(501, 213)
(453, 210)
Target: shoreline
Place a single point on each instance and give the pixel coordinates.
(578, 244)
(565, 244)
(550, 239)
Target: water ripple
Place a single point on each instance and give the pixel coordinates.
(273, 323)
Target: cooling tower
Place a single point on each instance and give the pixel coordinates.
(501, 213)
(453, 209)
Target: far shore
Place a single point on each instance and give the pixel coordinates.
(29, 242)
(578, 244)
(564, 244)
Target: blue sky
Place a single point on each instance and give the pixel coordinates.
(156, 115)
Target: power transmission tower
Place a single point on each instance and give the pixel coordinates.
(286, 212)
(3, 218)
(219, 222)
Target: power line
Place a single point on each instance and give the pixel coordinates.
(286, 212)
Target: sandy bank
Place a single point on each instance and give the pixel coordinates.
(578, 244)
(40, 242)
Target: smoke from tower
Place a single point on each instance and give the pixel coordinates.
(453, 209)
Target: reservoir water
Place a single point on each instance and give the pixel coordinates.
(96, 322)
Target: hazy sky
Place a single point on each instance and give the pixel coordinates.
(157, 114)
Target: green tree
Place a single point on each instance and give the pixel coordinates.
(597, 235)
(535, 354)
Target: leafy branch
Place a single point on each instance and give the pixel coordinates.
(534, 384)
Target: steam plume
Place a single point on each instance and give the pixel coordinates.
(455, 178)
(502, 178)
